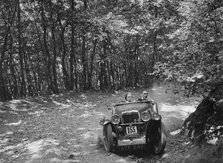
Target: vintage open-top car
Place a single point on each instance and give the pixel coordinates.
(134, 125)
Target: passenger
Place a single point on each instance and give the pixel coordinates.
(128, 96)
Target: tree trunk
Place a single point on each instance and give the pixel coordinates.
(46, 51)
(55, 85)
(154, 42)
(85, 4)
(14, 91)
(92, 64)
(84, 62)
(28, 75)
(21, 55)
(4, 95)
(103, 76)
(64, 69)
(36, 83)
(72, 59)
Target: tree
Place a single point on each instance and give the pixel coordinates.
(193, 61)
(48, 46)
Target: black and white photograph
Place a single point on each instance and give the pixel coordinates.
(111, 81)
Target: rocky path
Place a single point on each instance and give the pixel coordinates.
(66, 128)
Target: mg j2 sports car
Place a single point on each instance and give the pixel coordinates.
(134, 125)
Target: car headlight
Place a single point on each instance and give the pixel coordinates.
(145, 116)
(115, 119)
(155, 108)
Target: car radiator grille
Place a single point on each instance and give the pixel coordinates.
(130, 117)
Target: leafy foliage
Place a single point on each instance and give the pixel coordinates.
(49, 46)
(196, 57)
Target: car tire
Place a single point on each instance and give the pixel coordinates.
(159, 146)
(108, 138)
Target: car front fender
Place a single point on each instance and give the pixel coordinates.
(156, 117)
(104, 122)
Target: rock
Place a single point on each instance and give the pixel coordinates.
(209, 113)
(219, 150)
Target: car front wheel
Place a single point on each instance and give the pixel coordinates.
(108, 138)
(159, 146)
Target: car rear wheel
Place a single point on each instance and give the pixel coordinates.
(160, 144)
(108, 138)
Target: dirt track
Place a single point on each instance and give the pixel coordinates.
(65, 128)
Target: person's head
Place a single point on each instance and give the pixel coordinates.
(128, 96)
(145, 94)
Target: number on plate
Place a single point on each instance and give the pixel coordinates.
(131, 130)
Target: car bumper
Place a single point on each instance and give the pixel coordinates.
(134, 141)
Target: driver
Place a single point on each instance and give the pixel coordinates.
(145, 96)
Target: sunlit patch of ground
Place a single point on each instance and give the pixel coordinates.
(92, 113)
(43, 148)
(13, 112)
(181, 108)
(6, 134)
(89, 135)
(62, 106)
(14, 124)
(179, 111)
(81, 129)
(85, 115)
(14, 108)
(36, 113)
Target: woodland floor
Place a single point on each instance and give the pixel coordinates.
(65, 128)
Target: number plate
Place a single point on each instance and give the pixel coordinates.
(131, 130)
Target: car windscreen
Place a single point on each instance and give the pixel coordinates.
(133, 106)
